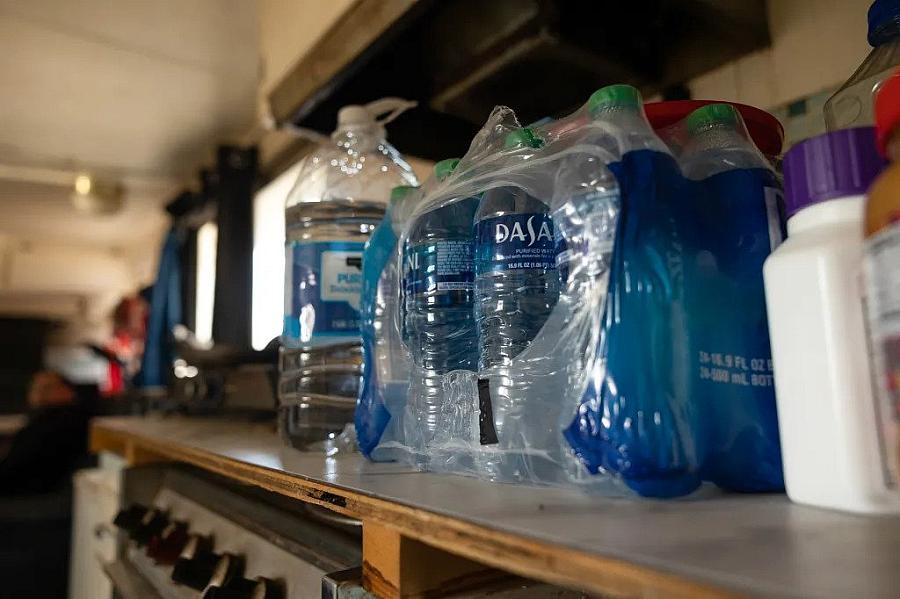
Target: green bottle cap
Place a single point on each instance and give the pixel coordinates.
(400, 192)
(522, 137)
(613, 96)
(712, 114)
(444, 168)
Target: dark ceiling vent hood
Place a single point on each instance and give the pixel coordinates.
(460, 58)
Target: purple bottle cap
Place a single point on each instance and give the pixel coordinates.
(831, 165)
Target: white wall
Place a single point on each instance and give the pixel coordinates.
(136, 91)
(288, 29)
(76, 284)
(816, 44)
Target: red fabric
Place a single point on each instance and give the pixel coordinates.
(115, 381)
(126, 345)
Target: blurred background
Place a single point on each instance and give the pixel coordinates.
(139, 103)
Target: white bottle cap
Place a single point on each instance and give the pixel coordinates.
(378, 112)
(354, 115)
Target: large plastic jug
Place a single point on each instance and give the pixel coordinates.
(340, 196)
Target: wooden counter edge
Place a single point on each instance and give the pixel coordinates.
(531, 558)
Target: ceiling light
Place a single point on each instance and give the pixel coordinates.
(83, 184)
(97, 196)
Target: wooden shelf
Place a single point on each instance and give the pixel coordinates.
(725, 545)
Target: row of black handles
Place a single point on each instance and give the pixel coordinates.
(195, 564)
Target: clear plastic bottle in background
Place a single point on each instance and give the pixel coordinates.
(439, 291)
(833, 455)
(736, 223)
(882, 239)
(340, 196)
(516, 281)
(851, 105)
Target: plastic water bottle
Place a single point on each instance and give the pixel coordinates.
(385, 379)
(717, 143)
(516, 283)
(585, 212)
(526, 417)
(851, 105)
(339, 198)
(736, 223)
(634, 418)
(439, 325)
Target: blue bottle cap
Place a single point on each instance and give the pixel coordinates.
(884, 21)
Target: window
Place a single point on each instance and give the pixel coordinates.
(207, 238)
(268, 258)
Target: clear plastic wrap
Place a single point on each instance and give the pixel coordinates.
(736, 221)
(635, 419)
(503, 421)
(687, 393)
(385, 376)
(580, 369)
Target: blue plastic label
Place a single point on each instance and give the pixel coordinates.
(444, 265)
(515, 241)
(735, 223)
(635, 418)
(322, 289)
(371, 416)
(682, 387)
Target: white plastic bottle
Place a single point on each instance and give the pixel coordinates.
(833, 456)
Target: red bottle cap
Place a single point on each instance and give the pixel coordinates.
(887, 110)
(765, 130)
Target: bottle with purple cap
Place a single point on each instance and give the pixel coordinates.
(833, 456)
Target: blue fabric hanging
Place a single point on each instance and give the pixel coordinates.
(733, 224)
(165, 313)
